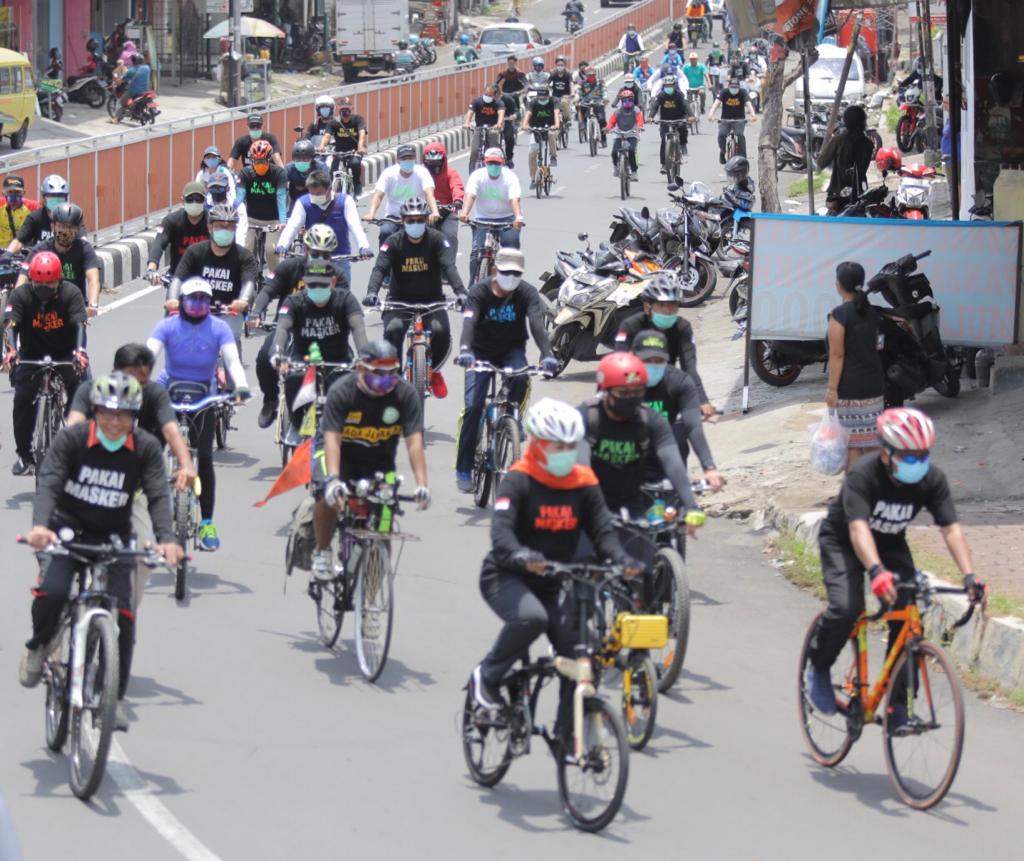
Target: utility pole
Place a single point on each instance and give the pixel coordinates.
(808, 131)
(235, 64)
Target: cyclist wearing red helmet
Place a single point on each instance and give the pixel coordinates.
(45, 316)
(263, 188)
(626, 123)
(865, 530)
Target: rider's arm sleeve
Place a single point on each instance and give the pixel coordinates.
(53, 473)
(693, 427)
(668, 455)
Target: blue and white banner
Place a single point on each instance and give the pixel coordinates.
(974, 270)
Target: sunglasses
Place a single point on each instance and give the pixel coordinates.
(256, 127)
(911, 457)
(195, 198)
(415, 219)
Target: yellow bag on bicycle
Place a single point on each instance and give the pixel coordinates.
(641, 632)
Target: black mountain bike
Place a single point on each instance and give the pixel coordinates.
(51, 400)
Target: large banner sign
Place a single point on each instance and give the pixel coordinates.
(974, 270)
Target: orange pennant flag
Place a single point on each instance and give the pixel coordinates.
(295, 474)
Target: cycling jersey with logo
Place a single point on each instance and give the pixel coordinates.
(415, 267)
(672, 107)
(261, 192)
(486, 114)
(226, 273)
(46, 329)
(240, 151)
(346, 134)
(397, 188)
(542, 116)
(370, 427)
(327, 325)
(499, 323)
(178, 232)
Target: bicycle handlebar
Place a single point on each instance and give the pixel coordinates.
(487, 368)
(201, 404)
(305, 365)
(921, 587)
(586, 572)
(489, 225)
(85, 552)
(47, 362)
(419, 307)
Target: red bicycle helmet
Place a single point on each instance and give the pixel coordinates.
(261, 150)
(620, 369)
(626, 93)
(45, 268)
(888, 158)
(903, 429)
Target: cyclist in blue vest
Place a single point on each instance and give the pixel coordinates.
(320, 206)
(630, 43)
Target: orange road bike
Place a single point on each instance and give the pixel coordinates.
(922, 720)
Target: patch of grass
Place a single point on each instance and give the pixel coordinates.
(988, 690)
(799, 187)
(999, 603)
(801, 564)
(892, 116)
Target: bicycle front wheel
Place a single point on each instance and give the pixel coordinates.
(507, 449)
(183, 532)
(672, 163)
(593, 787)
(41, 430)
(485, 743)
(93, 725)
(923, 752)
(418, 360)
(623, 177)
(672, 599)
(57, 711)
(483, 468)
(829, 737)
(594, 136)
(639, 699)
(374, 609)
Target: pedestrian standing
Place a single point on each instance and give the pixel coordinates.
(856, 382)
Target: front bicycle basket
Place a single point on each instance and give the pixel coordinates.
(634, 631)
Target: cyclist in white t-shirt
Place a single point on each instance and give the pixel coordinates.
(495, 192)
(397, 184)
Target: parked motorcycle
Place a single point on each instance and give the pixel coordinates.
(51, 97)
(910, 128)
(90, 85)
(913, 196)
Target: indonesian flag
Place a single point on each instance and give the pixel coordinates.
(307, 392)
(295, 474)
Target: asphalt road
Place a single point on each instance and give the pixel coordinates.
(250, 740)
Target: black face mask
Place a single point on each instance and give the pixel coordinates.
(625, 406)
(218, 198)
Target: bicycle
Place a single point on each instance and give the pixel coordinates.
(623, 169)
(82, 666)
(928, 676)
(542, 178)
(590, 128)
(491, 246)
(418, 335)
(732, 144)
(597, 751)
(564, 126)
(50, 401)
(364, 574)
(483, 138)
(695, 95)
(188, 400)
(286, 436)
(630, 60)
(259, 250)
(673, 149)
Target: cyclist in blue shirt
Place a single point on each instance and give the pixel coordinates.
(194, 342)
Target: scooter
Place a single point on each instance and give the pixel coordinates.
(141, 108)
(912, 198)
(51, 97)
(89, 86)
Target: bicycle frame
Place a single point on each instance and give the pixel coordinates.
(911, 630)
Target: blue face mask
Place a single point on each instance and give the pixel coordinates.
(407, 165)
(494, 170)
(110, 445)
(301, 166)
(910, 473)
(319, 295)
(664, 321)
(560, 463)
(211, 163)
(415, 231)
(223, 237)
(655, 373)
(324, 112)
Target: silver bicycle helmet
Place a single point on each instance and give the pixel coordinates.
(222, 212)
(414, 206)
(554, 420)
(54, 184)
(661, 288)
(116, 391)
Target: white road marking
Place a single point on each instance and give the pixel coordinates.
(152, 808)
(118, 303)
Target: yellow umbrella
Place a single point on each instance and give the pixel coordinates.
(252, 28)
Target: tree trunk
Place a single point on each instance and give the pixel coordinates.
(768, 141)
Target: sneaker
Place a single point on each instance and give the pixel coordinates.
(484, 695)
(819, 690)
(662, 170)
(438, 387)
(721, 158)
(464, 482)
(323, 566)
(121, 719)
(208, 538)
(30, 671)
(632, 174)
(268, 412)
(23, 466)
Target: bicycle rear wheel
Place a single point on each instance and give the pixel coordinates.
(57, 711)
(923, 755)
(485, 743)
(671, 593)
(731, 145)
(623, 176)
(93, 724)
(593, 136)
(331, 601)
(672, 163)
(829, 737)
(221, 426)
(639, 699)
(418, 361)
(507, 449)
(592, 789)
(374, 609)
(583, 132)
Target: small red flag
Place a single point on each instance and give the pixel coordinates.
(295, 474)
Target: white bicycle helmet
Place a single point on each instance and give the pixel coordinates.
(554, 420)
(905, 429)
(196, 285)
(324, 102)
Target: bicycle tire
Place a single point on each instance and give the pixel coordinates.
(828, 737)
(507, 449)
(331, 599)
(183, 527)
(478, 728)
(623, 176)
(538, 183)
(221, 425)
(593, 136)
(547, 185)
(374, 609)
(418, 369)
(600, 721)
(672, 160)
(563, 137)
(482, 467)
(927, 679)
(672, 599)
(40, 442)
(100, 705)
(583, 132)
(57, 711)
(640, 707)
(731, 145)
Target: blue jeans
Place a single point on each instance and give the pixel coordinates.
(386, 229)
(508, 237)
(477, 387)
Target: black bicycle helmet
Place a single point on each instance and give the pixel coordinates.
(68, 213)
(661, 288)
(414, 206)
(737, 168)
(303, 150)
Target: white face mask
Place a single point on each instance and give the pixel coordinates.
(318, 199)
(508, 281)
(487, 99)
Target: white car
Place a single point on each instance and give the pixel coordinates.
(825, 73)
(501, 40)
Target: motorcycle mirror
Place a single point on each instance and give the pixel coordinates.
(603, 246)
(846, 191)
(583, 237)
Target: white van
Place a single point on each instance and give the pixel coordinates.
(825, 75)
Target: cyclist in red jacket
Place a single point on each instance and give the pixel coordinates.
(449, 191)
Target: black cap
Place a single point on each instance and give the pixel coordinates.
(255, 119)
(379, 353)
(650, 344)
(406, 151)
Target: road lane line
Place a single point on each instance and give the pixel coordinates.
(153, 810)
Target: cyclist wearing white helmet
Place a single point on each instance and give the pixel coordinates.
(865, 530)
(544, 504)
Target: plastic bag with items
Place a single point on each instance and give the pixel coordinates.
(828, 445)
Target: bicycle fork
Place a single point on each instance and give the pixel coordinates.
(78, 647)
(581, 671)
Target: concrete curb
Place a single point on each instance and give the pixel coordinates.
(991, 646)
(125, 260)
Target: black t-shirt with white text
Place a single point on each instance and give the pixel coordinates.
(36, 227)
(500, 322)
(346, 134)
(240, 150)
(327, 325)
(226, 273)
(261, 192)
